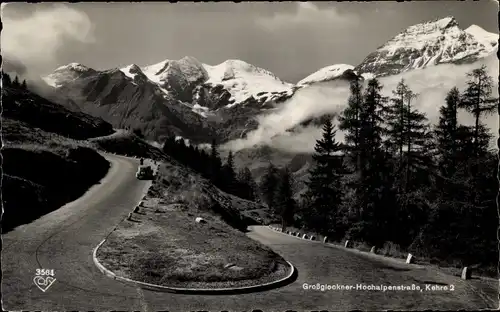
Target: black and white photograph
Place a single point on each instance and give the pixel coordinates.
(250, 156)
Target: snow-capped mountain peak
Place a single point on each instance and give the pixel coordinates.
(134, 72)
(131, 70)
(153, 71)
(74, 67)
(237, 68)
(482, 35)
(422, 35)
(244, 81)
(325, 74)
(67, 73)
(187, 69)
(437, 25)
(445, 22)
(428, 44)
(235, 80)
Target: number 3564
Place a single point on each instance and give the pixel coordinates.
(45, 272)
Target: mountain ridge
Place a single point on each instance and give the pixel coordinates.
(189, 98)
(424, 44)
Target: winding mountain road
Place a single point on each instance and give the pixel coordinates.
(64, 239)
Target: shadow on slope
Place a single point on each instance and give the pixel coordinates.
(38, 179)
(45, 163)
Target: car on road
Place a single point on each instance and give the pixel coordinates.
(144, 173)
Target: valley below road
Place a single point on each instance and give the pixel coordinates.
(64, 239)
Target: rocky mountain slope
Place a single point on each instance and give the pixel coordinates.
(183, 97)
(233, 81)
(427, 44)
(129, 101)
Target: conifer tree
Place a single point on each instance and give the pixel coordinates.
(285, 203)
(268, 185)
(230, 165)
(324, 194)
(349, 122)
(229, 175)
(446, 133)
(372, 186)
(204, 163)
(477, 100)
(395, 115)
(7, 81)
(417, 141)
(371, 127)
(169, 146)
(248, 186)
(23, 85)
(15, 82)
(215, 164)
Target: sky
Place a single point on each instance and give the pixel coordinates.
(291, 39)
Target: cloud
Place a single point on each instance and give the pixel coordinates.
(14, 65)
(308, 14)
(307, 103)
(432, 84)
(34, 40)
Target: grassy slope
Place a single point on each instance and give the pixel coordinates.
(127, 143)
(164, 245)
(46, 163)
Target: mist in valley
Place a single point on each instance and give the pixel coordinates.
(432, 84)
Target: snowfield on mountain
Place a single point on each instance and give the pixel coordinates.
(244, 80)
(427, 44)
(67, 73)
